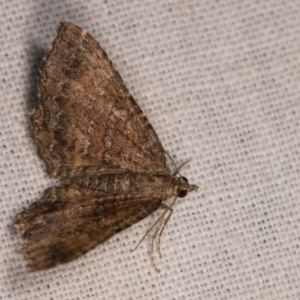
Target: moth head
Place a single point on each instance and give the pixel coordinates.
(183, 187)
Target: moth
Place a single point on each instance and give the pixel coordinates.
(93, 136)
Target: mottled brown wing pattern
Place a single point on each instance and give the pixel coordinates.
(93, 136)
(87, 117)
(61, 226)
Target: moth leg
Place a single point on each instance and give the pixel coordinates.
(153, 236)
(149, 230)
(163, 225)
(162, 222)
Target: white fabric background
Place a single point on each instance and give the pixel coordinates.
(220, 83)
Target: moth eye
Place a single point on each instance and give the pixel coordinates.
(185, 179)
(182, 193)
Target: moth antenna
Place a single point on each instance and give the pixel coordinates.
(180, 167)
(171, 158)
(177, 169)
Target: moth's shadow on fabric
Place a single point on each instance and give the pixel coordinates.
(35, 58)
(36, 55)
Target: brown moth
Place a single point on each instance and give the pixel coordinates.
(94, 137)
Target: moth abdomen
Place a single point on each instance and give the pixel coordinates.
(125, 183)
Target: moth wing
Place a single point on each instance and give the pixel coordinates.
(86, 116)
(59, 230)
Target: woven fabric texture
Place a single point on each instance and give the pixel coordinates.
(220, 83)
